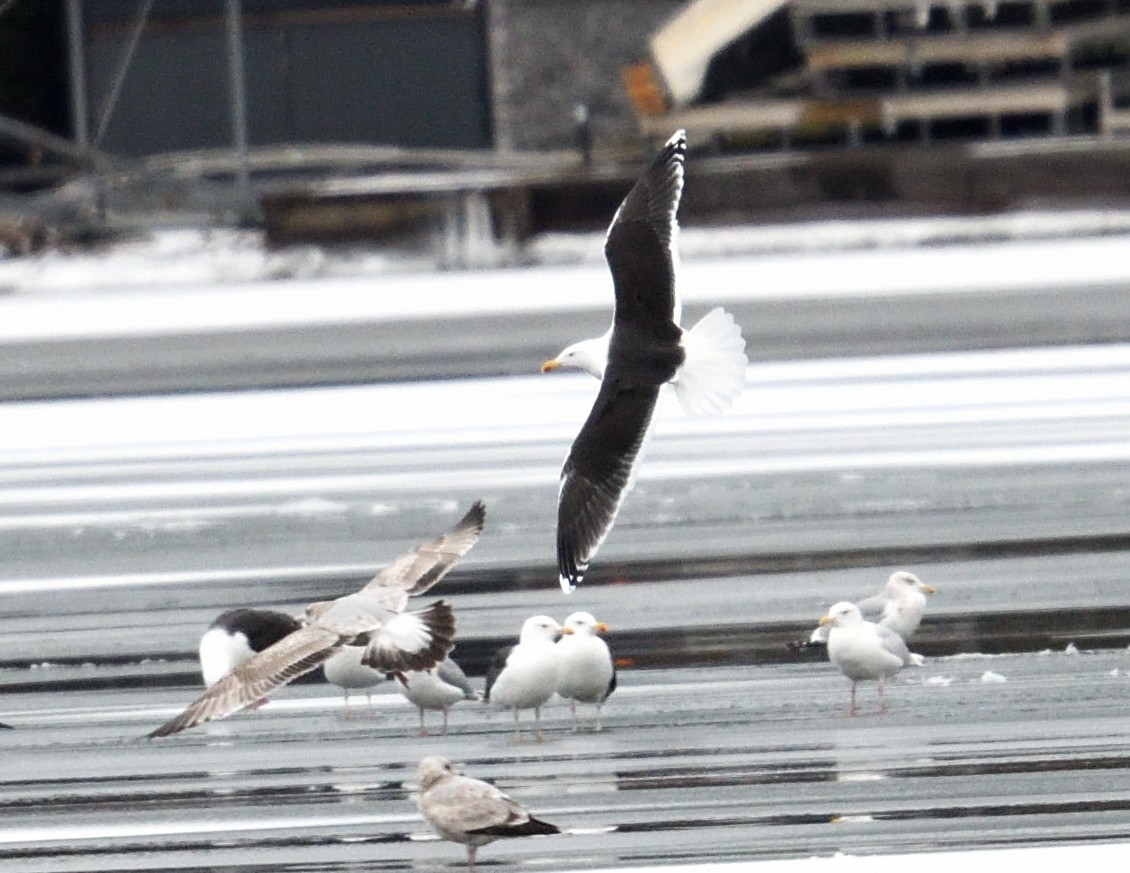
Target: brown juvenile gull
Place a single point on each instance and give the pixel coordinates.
(863, 650)
(525, 676)
(585, 670)
(470, 811)
(374, 617)
(644, 349)
(440, 688)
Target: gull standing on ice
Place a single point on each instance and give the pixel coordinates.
(395, 640)
(239, 634)
(585, 670)
(345, 670)
(525, 676)
(863, 650)
(644, 349)
(441, 687)
(899, 606)
(470, 811)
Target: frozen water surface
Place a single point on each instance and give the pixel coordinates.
(1001, 476)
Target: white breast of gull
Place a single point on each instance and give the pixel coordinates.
(525, 676)
(863, 650)
(585, 669)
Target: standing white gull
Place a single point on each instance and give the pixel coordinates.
(585, 670)
(470, 811)
(644, 349)
(525, 676)
(440, 688)
(374, 616)
(898, 606)
(344, 669)
(863, 650)
(239, 634)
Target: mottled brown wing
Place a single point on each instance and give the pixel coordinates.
(416, 571)
(289, 658)
(469, 806)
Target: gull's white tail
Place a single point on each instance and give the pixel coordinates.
(713, 374)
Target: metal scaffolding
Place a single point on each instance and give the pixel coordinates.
(83, 146)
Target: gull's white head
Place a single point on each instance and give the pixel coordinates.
(902, 582)
(843, 614)
(584, 624)
(590, 355)
(541, 627)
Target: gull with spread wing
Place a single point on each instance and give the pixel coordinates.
(644, 349)
(395, 640)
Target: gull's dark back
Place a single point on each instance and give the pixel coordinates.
(262, 627)
(497, 665)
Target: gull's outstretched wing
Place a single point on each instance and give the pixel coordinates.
(275, 666)
(597, 473)
(416, 571)
(640, 246)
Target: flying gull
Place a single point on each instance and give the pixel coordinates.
(470, 811)
(525, 676)
(643, 349)
(374, 617)
(239, 634)
(862, 650)
(585, 671)
(440, 688)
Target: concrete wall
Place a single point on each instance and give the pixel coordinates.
(549, 55)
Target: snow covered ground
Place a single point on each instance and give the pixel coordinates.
(979, 861)
(190, 280)
(50, 294)
(193, 257)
